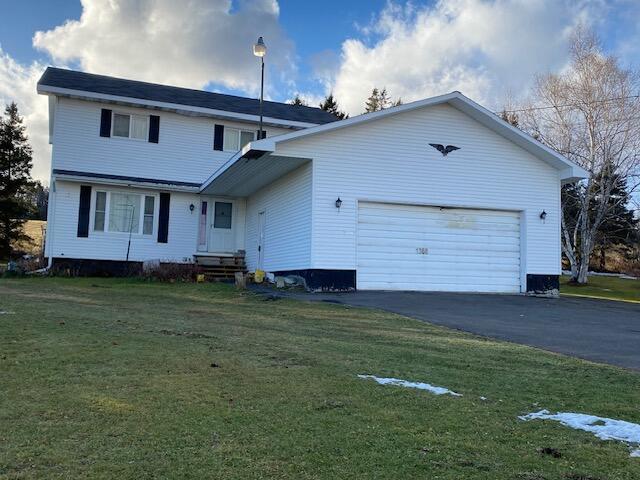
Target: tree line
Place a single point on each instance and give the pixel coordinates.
(378, 100)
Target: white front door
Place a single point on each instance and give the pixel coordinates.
(222, 232)
(261, 227)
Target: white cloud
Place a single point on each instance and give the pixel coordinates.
(482, 48)
(194, 43)
(18, 84)
(188, 43)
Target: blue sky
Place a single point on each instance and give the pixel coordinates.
(491, 50)
(316, 31)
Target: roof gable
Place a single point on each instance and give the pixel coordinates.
(569, 171)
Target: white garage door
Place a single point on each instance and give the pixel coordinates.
(410, 247)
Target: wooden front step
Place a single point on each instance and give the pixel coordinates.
(221, 267)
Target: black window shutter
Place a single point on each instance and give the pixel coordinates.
(261, 134)
(83, 211)
(218, 137)
(105, 123)
(154, 128)
(163, 220)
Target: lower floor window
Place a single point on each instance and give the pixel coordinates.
(124, 212)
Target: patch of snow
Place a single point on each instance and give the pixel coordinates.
(419, 385)
(4, 312)
(601, 427)
(483, 398)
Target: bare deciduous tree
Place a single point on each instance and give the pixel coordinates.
(591, 114)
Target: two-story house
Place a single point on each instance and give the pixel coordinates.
(145, 172)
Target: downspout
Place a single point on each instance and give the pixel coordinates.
(48, 240)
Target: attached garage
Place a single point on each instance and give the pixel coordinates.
(435, 195)
(411, 247)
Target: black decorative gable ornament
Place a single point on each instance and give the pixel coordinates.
(444, 150)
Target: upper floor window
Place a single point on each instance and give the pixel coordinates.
(130, 126)
(235, 139)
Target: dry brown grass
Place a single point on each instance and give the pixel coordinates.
(35, 230)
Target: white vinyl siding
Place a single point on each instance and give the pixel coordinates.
(286, 204)
(185, 154)
(408, 247)
(391, 161)
(62, 240)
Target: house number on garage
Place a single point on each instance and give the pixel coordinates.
(422, 250)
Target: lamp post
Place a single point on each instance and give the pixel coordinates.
(260, 50)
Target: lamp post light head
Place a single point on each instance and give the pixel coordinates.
(260, 49)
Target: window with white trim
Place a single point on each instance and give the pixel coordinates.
(124, 212)
(149, 209)
(100, 212)
(235, 139)
(130, 126)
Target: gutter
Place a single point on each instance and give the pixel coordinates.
(171, 107)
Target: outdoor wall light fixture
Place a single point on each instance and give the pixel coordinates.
(192, 207)
(338, 203)
(543, 215)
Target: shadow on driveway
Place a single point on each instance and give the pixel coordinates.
(598, 330)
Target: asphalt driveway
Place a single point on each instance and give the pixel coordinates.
(598, 330)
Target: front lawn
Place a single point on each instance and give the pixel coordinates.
(131, 380)
(612, 288)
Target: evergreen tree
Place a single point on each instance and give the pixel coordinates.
(15, 180)
(380, 100)
(331, 105)
(384, 101)
(297, 100)
(373, 102)
(38, 197)
(620, 227)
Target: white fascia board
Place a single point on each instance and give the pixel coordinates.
(124, 183)
(172, 107)
(53, 101)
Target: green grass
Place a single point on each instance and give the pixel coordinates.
(114, 379)
(612, 288)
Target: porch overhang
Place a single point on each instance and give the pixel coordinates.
(248, 172)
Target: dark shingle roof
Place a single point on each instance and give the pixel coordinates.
(87, 82)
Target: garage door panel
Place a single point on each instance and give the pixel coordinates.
(441, 271)
(389, 232)
(406, 247)
(465, 223)
(435, 248)
(423, 287)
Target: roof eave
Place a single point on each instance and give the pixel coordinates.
(43, 89)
